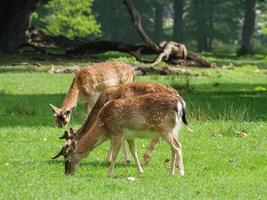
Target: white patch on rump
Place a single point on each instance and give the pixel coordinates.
(178, 121)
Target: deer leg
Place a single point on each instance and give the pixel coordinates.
(179, 157)
(108, 158)
(173, 162)
(135, 156)
(148, 153)
(176, 152)
(126, 152)
(115, 151)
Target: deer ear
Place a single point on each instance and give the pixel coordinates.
(64, 136)
(68, 112)
(54, 108)
(73, 145)
(60, 153)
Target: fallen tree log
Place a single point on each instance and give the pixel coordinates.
(168, 49)
(72, 69)
(171, 49)
(199, 60)
(167, 70)
(136, 50)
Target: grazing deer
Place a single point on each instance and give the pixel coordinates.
(87, 86)
(150, 115)
(120, 92)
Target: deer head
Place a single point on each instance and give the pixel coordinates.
(62, 118)
(67, 151)
(68, 148)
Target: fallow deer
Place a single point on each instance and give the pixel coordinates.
(156, 115)
(121, 92)
(88, 84)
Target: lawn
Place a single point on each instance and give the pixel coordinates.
(225, 156)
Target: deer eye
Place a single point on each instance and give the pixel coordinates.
(61, 118)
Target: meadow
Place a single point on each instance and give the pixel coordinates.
(225, 156)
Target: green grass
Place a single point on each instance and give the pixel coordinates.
(219, 163)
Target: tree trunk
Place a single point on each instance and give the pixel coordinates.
(210, 25)
(178, 6)
(199, 7)
(158, 22)
(248, 27)
(210, 39)
(13, 21)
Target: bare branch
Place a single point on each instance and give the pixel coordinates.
(136, 19)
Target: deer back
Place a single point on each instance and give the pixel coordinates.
(155, 112)
(101, 76)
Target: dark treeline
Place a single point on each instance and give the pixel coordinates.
(202, 25)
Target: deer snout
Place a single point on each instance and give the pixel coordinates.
(69, 167)
(61, 120)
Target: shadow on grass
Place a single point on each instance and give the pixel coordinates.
(95, 164)
(34, 110)
(234, 106)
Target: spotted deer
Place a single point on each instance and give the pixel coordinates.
(87, 86)
(121, 92)
(146, 116)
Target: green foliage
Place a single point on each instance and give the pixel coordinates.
(67, 17)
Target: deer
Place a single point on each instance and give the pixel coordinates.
(87, 86)
(145, 116)
(128, 90)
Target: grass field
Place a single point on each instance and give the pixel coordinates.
(220, 162)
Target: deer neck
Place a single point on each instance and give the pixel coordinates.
(71, 98)
(90, 120)
(91, 139)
